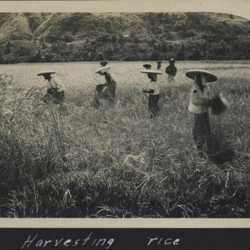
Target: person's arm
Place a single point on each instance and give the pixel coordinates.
(58, 84)
(167, 70)
(109, 79)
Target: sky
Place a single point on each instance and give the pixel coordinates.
(236, 7)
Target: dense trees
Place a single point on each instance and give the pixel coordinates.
(149, 36)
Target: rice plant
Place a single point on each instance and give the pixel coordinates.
(78, 161)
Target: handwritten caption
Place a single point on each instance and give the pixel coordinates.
(90, 240)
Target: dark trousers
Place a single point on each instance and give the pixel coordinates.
(153, 105)
(202, 133)
(208, 144)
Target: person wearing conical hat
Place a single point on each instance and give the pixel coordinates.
(201, 100)
(55, 90)
(199, 103)
(153, 90)
(107, 90)
(171, 70)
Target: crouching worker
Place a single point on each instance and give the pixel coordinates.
(105, 91)
(200, 102)
(55, 90)
(153, 90)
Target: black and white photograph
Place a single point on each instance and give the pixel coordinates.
(119, 114)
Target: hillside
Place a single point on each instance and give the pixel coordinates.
(122, 36)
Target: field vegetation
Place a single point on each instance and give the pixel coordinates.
(77, 161)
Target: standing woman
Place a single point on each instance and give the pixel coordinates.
(106, 91)
(153, 90)
(199, 104)
(100, 83)
(171, 70)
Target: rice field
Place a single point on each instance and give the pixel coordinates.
(78, 161)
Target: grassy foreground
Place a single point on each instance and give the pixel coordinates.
(83, 162)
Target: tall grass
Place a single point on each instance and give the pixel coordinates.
(77, 161)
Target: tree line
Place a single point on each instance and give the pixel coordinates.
(156, 37)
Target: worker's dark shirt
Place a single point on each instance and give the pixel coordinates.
(171, 70)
